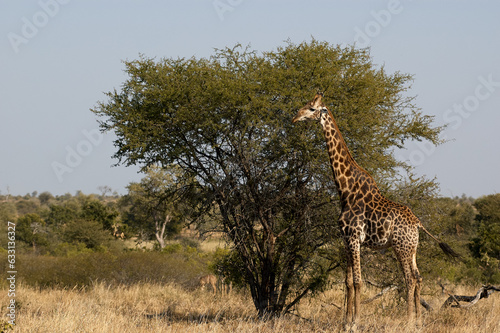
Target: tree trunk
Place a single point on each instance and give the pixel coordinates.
(160, 231)
(266, 296)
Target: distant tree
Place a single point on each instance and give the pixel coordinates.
(64, 197)
(485, 246)
(8, 212)
(30, 229)
(88, 232)
(104, 190)
(27, 205)
(455, 216)
(81, 207)
(226, 122)
(45, 197)
(94, 210)
(154, 205)
(60, 214)
(487, 241)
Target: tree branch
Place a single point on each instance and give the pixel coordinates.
(484, 292)
(385, 290)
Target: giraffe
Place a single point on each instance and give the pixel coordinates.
(367, 217)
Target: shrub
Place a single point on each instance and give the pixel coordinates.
(79, 269)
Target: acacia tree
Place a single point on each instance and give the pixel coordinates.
(155, 209)
(226, 121)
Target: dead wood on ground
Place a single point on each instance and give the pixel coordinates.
(484, 292)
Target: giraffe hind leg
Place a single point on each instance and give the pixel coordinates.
(410, 281)
(418, 284)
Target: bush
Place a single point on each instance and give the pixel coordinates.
(79, 269)
(172, 248)
(88, 232)
(70, 250)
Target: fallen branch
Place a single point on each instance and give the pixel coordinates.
(378, 285)
(332, 304)
(426, 305)
(484, 292)
(444, 290)
(385, 290)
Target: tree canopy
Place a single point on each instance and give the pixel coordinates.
(226, 122)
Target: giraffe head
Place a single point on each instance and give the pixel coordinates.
(312, 110)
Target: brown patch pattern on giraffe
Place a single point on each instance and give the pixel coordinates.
(367, 217)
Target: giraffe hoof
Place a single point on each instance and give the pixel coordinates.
(350, 327)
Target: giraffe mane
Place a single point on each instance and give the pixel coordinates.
(351, 158)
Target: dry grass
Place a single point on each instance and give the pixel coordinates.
(170, 308)
(208, 245)
(211, 244)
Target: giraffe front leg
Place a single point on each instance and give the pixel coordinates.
(353, 281)
(349, 284)
(353, 274)
(358, 283)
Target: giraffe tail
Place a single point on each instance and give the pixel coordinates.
(444, 247)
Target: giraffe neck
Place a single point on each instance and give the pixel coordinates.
(349, 177)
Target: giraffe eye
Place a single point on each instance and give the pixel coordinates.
(312, 109)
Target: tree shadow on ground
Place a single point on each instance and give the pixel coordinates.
(198, 317)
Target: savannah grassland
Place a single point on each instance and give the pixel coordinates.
(146, 307)
(158, 292)
(174, 303)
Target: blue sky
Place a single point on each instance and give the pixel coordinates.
(58, 57)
